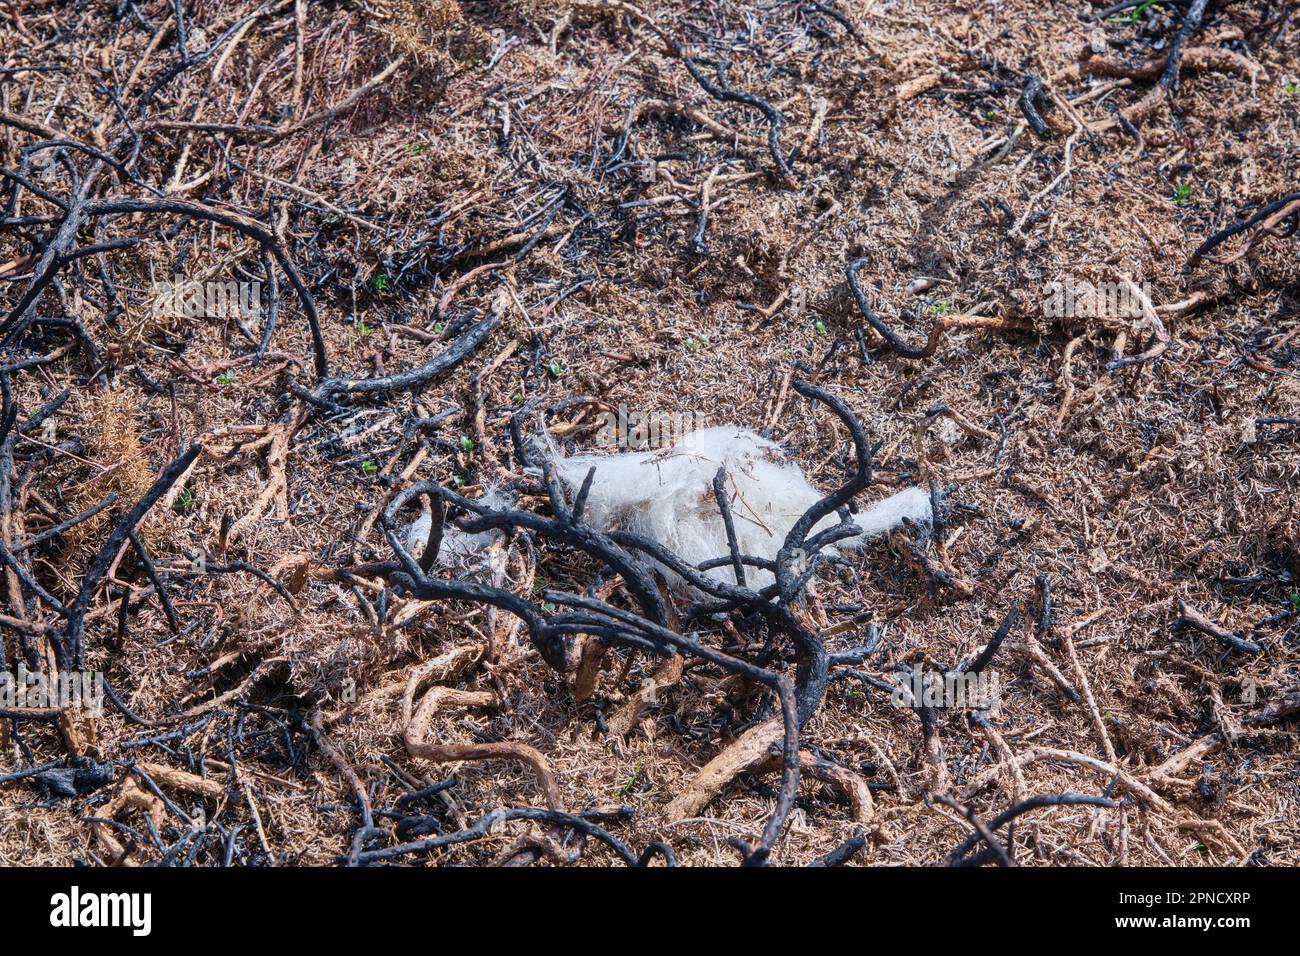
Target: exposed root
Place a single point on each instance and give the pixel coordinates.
(416, 726)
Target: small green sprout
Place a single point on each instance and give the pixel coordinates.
(466, 444)
(631, 781)
(437, 328)
(185, 503)
(1290, 87)
(458, 481)
(1295, 601)
(556, 369)
(1182, 193)
(940, 308)
(226, 378)
(364, 329)
(380, 283)
(820, 328)
(549, 607)
(368, 468)
(692, 345)
(1140, 9)
(416, 149)
(991, 115)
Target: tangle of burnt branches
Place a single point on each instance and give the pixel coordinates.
(633, 559)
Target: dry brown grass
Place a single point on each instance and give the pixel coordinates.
(113, 439)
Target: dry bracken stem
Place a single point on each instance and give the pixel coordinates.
(1047, 190)
(1067, 380)
(1086, 689)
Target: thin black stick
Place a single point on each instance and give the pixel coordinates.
(71, 649)
(156, 579)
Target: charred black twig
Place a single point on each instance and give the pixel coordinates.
(80, 210)
(580, 502)
(30, 583)
(445, 360)
(71, 649)
(186, 61)
(1218, 238)
(121, 707)
(982, 831)
(930, 568)
(1189, 616)
(621, 553)
(1032, 99)
(245, 226)
(723, 92)
(986, 655)
(1191, 25)
(1274, 711)
(29, 772)
(899, 347)
(829, 10)
(156, 579)
(797, 538)
(1043, 626)
(958, 855)
(842, 853)
(724, 507)
(243, 567)
(484, 825)
(437, 519)
(657, 849)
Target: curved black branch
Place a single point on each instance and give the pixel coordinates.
(900, 347)
(722, 91)
(448, 358)
(71, 651)
(1032, 99)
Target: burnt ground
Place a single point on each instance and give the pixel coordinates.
(422, 165)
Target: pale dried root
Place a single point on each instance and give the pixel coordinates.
(646, 696)
(751, 752)
(416, 724)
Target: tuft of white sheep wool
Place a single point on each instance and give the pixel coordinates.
(667, 496)
(460, 552)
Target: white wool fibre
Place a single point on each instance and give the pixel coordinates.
(460, 551)
(667, 495)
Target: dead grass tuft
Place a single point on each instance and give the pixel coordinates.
(120, 465)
